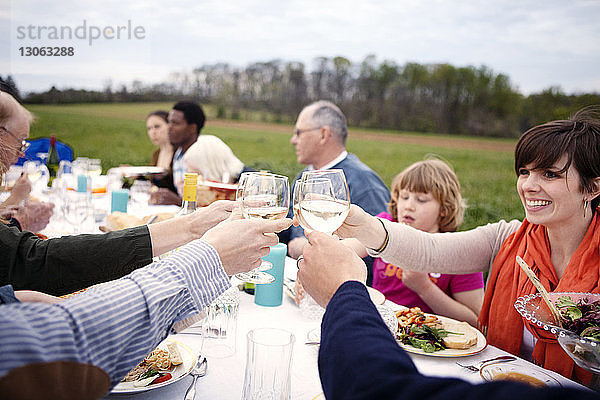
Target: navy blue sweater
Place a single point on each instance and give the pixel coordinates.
(360, 359)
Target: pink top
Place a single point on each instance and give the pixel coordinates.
(387, 278)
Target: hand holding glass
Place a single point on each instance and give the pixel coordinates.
(322, 200)
(263, 196)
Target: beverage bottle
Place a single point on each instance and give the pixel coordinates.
(188, 204)
(190, 189)
(249, 287)
(52, 160)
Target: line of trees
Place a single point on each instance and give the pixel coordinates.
(414, 97)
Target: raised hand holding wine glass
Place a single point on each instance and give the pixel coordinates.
(322, 200)
(263, 196)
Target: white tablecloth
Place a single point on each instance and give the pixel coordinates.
(225, 377)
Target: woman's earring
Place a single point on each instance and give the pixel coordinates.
(585, 207)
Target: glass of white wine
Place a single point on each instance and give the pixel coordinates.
(38, 175)
(263, 196)
(322, 200)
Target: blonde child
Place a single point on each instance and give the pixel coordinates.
(426, 196)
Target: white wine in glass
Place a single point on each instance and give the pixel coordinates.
(322, 201)
(263, 196)
(263, 207)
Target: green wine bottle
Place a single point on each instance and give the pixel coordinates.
(52, 160)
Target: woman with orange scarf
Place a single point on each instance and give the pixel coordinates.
(558, 180)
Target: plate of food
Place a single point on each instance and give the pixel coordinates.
(577, 332)
(517, 372)
(168, 363)
(437, 336)
(208, 192)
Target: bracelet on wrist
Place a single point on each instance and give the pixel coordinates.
(385, 241)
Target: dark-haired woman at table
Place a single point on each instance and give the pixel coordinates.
(158, 132)
(558, 180)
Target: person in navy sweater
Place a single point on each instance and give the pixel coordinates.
(360, 359)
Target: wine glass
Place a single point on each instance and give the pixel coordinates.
(322, 200)
(263, 196)
(76, 209)
(38, 175)
(140, 192)
(94, 167)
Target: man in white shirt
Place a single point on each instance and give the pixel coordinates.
(186, 120)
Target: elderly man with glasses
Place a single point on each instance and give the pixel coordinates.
(14, 130)
(320, 141)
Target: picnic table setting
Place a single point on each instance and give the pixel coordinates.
(222, 354)
(163, 291)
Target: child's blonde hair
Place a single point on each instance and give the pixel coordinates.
(433, 176)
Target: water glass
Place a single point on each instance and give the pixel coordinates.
(76, 209)
(94, 167)
(268, 364)
(80, 166)
(220, 325)
(140, 192)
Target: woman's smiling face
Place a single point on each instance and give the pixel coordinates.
(551, 197)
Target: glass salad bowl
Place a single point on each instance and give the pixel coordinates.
(584, 351)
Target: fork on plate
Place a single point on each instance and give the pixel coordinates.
(500, 359)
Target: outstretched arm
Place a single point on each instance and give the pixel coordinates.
(358, 356)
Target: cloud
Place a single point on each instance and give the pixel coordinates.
(537, 44)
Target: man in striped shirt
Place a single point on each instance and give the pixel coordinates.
(90, 341)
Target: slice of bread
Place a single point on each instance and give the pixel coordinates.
(174, 354)
(464, 335)
(118, 220)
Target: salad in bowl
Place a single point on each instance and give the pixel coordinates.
(579, 335)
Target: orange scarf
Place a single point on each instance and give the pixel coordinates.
(507, 282)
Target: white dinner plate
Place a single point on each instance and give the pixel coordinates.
(377, 297)
(140, 170)
(387, 314)
(481, 344)
(189, 358)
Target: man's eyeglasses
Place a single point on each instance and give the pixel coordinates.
(297, 132)
(24, 144)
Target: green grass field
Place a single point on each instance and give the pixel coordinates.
(116, 134)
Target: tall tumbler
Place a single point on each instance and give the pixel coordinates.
(220, 325)
(268, 364)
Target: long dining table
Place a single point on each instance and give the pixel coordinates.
(225, 376)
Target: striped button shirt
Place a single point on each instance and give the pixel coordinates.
(116, 324)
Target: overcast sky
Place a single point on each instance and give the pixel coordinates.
(538, 44)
